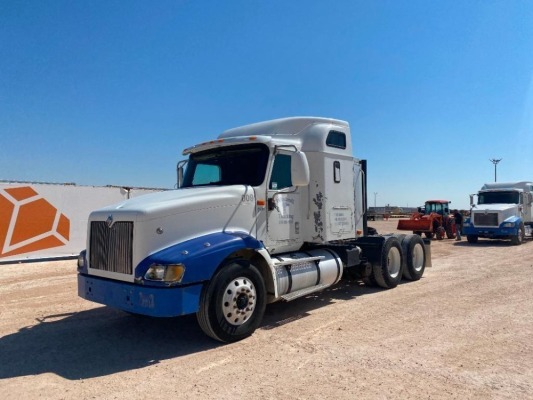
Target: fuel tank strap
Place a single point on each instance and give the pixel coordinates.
(317, 266)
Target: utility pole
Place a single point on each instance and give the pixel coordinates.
(495, 162)
(375, 196)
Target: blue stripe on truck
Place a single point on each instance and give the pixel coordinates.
(201, 257)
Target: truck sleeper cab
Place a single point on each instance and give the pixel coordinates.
(266, 212)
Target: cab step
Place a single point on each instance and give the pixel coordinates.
(303, 292)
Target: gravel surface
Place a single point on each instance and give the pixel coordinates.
(464, 331)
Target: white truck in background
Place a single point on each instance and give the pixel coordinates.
(503, 211)
(266, 212)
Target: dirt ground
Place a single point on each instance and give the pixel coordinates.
(464, 331)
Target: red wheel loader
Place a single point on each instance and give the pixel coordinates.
(434, 220)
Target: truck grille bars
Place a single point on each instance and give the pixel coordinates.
(111, 247)
(489, 219)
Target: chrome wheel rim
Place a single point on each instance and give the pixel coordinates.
(418, 257)
(238, 302)
(394, 262)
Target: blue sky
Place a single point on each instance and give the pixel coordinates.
(110, 92)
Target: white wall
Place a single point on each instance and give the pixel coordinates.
(50, 220)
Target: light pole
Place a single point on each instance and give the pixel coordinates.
(495, 162)
(375, 196)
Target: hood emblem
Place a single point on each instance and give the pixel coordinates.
(109, 221)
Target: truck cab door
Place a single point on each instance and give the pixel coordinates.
(283, 206)
(526, 200)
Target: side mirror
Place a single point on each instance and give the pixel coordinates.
(180, 176)
(471, 200)
(299, 169)
(179, 169)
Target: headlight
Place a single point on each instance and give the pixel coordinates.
(508, 225)
(165, 273)
(81, 259)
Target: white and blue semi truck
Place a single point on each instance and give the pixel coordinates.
(503, 211)
(266, 212)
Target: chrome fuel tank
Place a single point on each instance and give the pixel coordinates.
(307, 270)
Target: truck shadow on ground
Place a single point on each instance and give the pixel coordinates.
(97, 342)
(104, 341)
(281, 313)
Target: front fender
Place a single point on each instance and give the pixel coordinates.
(516, 220)
(201, 256)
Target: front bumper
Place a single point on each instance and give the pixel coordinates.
(489, 232)
(137, 299)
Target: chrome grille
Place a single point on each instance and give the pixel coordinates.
(111, 248)
(489, 219)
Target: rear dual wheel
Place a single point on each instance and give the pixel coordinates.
(401, 256)
(414, 253)
(388, 272)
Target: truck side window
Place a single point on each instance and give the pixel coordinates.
(281, 172)
(336, 171)
(336, 139)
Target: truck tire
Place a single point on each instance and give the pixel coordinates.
(519, 239)
(471, 238)
(370, 281)
(232, 304)
(388, 271)
(414, 253)
(372, 231)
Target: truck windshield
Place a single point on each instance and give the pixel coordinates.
(510, 197)
(236, 165)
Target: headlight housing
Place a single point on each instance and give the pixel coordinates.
(81, 260)
(508, 225)
(171, 273)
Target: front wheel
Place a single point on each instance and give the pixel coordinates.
(472, 238)
(519, 238)
(233, 302)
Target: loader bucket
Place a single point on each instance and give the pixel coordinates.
(415, 225)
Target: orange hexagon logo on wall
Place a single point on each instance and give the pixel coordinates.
(28, 222)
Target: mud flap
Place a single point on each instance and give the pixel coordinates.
(427, 247)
